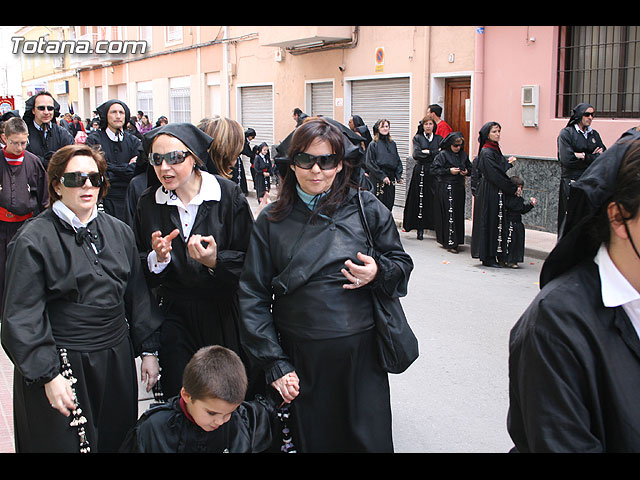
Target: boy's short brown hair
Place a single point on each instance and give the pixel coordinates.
(13, 126)
(215, 372)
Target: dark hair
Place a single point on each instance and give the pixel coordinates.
(626, 194)
(516, 180)
(61, 158)
(437, 109)
(215, 372)
(43, 92)
(314, 128)
(297, 111)
(483, 134)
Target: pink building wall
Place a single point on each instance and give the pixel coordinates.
(514, 56)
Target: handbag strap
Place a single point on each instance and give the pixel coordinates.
(364, 222)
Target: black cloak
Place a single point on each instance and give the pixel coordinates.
(574, 363)
(118, 154)
(449, 193)
(57, 137)
(588, 195)
(570, 142)
(200, 304)
(418, 209)
(488, 237)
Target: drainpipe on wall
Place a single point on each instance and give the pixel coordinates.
(427, 64)
(225, 68)
(478, 89)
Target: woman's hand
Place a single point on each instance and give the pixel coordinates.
(386, 181)
(60, 395)
(288, 386)
(149, 371)
(454, 170)
(162, 245)
(206, 256)
(360, 275)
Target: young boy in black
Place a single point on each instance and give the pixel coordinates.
(210, 414)
(515, 208)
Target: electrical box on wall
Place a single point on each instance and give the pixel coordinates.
(530, 103)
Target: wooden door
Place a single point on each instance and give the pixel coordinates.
(457, 95)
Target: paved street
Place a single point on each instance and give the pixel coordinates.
(454, 398)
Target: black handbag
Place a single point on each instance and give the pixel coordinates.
(397, 344)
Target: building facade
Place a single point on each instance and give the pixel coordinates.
(524, 77)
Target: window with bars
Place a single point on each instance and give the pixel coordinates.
(599, 65)
(145, 103)
(180, 104)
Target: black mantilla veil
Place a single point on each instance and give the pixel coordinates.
(195, 139)
(30, 104)
(483, 134)
(104, 109)
(447, 142)
(588, 196)
(353, 152)
(578, 112)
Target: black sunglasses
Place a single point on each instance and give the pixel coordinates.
(78, 179)
(172, 158)
(307, 161)
(43, 107)
(589, 114)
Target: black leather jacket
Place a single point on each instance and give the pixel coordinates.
(292, 283)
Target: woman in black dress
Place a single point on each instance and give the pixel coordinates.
(264, 171)
(305, 295)
(489, 216)
(450, 167)
(77, 305)
(418, 208)
(383, 164)
(192, 228)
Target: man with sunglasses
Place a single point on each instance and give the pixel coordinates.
(121, 149)
(45, 136)
(578, 146)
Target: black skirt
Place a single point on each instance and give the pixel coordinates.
(190, 324)
(448, 214)
(418, 210)
(107, 394)
(344, 402)
(515, 236)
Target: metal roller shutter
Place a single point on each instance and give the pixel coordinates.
(256, 111)
(322, 99)
(388, 98)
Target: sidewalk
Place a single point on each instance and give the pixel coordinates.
(538, 244)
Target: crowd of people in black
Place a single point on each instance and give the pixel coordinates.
(262, 334)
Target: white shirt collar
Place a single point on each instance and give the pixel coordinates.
(616, 289)
(112, 136)
(40, 127)
(65, 213)
(583, 132)
(209, 190)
